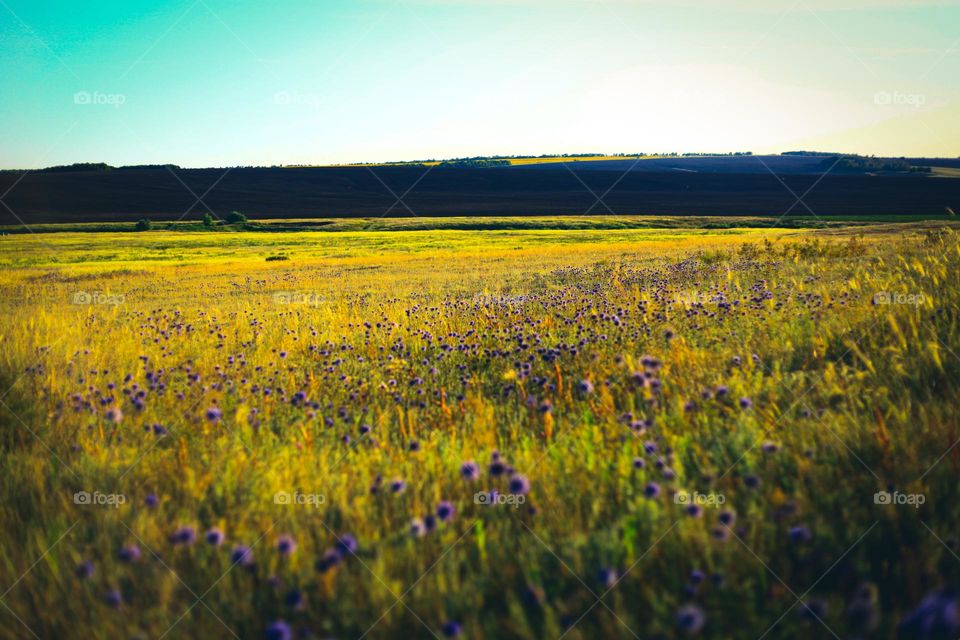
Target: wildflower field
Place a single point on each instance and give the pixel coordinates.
(590, 433)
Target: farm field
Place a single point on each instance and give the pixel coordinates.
(509, 433)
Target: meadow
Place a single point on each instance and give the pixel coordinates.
(529, 433)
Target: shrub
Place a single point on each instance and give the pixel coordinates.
(143, 224)
(235, 217)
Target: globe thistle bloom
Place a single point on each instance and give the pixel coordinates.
(652, 490)
(445, 511)
(184, 535)
(452, 629)
(241, 555)
(85, 570)
(469, 470)
(286, 545)
(129, 553)
(519, 485)
(329, 559)
(113, 598)
(746, 403)
(213, 414)
(346, 543)
(214, 536)
(800, 534)
(279, 630)
(690, 619)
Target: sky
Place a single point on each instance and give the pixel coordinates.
(240, 82)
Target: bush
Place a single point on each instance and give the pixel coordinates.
(143, 224)
(207, 220)
(235, 217)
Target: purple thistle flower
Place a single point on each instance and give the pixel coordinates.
(937, 616)
(129, 553)
(800, 534)
(519, 485)
(694, 510)
(279, 630)
(286, 545)
(113, 598)
(585, 387)
(213, 414)
(607, 577)
(452, 629)
(295, 599)
(347, 544)
(445, 511)
(114, 415)
(690, 619)
(639, 463)
(469, 470)
(746, 403)
(727, 517)
(184, 535)
(417, 529)
(770, 447)
(242, 555)
(151, 500)
(85, 570)
(329, 559)
(214, 536)
(652, 490)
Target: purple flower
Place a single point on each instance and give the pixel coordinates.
(129, 553)
(295, 599)
(114, 415)
(519, 485)
(214, 536)
(279, 630)
(770, 447)
(445, 511)
(329, 559)
(347, 543)
(151, 500)
(639, 463)
(800, 534)
(214, 414)
(242, 555)
(113, 598)
(184, 535)
(452, 629)
(585, 387)
(85, 570)
(690, 619)
(727, 517)
(286, 545)
(608, 577)
(469, 470)
(652, 490)
(937, 616)
(746, 403)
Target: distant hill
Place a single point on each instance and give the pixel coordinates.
(663, 186)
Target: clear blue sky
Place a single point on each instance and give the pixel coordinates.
(217, 82)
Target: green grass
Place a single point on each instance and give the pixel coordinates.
(441, 338)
